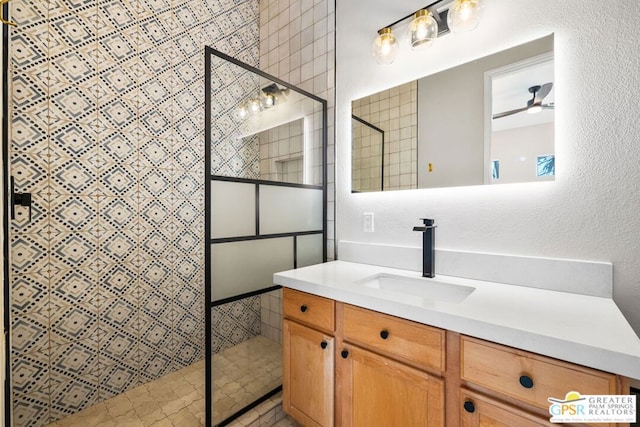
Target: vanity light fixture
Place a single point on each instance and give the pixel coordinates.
(266, 99)
(436, 19)
(464, 15)
(423, 30)
(385, 46)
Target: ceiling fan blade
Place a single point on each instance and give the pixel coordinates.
(543, 92)
(509, 113)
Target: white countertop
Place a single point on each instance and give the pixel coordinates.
(586, 330)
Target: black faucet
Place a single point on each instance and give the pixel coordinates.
(428, 247)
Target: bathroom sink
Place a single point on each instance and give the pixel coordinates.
(431, 289)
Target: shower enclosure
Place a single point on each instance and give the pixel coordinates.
(368, 159)
(266, 211)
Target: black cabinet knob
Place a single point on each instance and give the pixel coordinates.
(469, 407)
(384, 334)
(526, 381)
(303, 308)
(323, 344)
(344, 354)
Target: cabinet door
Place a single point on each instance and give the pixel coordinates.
(377, 391)
(308, 375)
(480, 411)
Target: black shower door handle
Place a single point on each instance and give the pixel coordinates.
(19, 199)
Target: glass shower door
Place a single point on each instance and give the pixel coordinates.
(265, 212)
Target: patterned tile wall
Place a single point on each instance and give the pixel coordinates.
(234, 323)
(232, 155)
(106, 132)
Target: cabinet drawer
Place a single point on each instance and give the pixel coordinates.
(407, 341)
(309, 309)
(477, 410)
(528, 377)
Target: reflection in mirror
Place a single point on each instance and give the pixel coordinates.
(262, 129)
(440, 130)
(368, 154)
(522, 142)
(385, 159)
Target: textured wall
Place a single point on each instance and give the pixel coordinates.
(590, 211)
(106, 132)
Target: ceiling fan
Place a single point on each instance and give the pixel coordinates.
(535, 104)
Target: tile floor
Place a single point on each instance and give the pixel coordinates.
(243, 372)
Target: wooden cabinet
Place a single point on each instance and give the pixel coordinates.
(410, 342)
(477, 410)
(311, 310)
(378, 391)
(308, 374)
(308, 358)
(349, 366)
(526, 380)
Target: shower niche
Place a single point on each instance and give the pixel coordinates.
(266, 211)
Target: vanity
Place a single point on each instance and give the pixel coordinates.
(366, 345)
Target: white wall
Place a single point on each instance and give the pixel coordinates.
(590, 211)
(518, 149)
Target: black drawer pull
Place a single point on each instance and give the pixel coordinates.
(344, 354)
(303, 308)
(469, 407)
(323, 344)
(526, 381)
(384, 334)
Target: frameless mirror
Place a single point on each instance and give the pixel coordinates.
(489, 121)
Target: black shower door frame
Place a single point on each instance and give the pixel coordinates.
(209, 52)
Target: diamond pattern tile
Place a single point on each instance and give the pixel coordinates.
(75, 359)
(118, 180)
(73, 176)
(28, 293)
(118, 246)
(74, 213)
(117, 280)
(106, 132)
(28, 134)
(74, 323)
(117, 379)
(75, 286)
(70, 396)
(118, 212)
(73, 250)
(30, 332)
(28, 254)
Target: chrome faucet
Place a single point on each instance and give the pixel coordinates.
(428, 247)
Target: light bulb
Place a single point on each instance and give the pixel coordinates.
(464, 15)
(242, 112)
(385, 46)
(254, 106)
(268, 100)
(423, 30)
